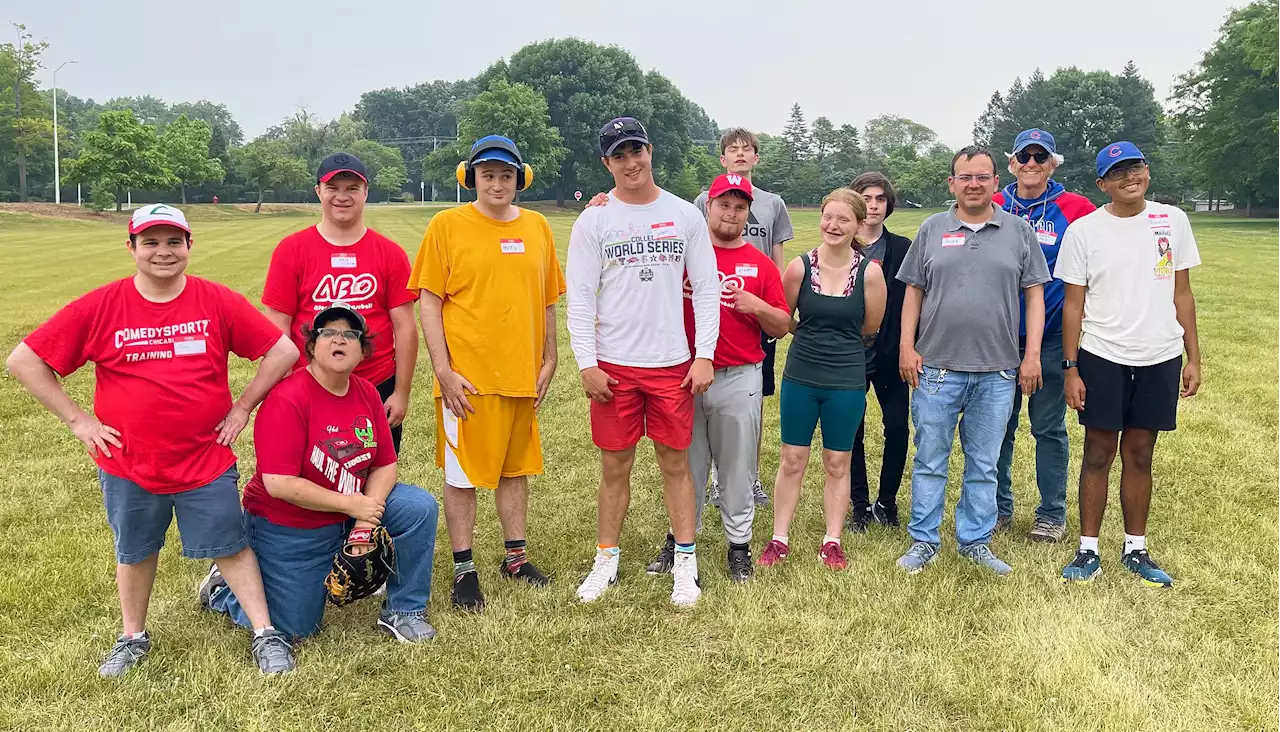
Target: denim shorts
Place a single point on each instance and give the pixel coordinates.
(210, 520)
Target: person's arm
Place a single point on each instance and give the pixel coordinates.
(550, 358)
(875, 294)
(38, 378)
(301, 492)
(791, 282)
(582, 281)
(1029, 372)
(406, 340)
(1184, 304)
(274, 367)
(283, 321)
(910, 363)
(700, 267)
(1072, 314)
(782, 232)
(454, 387)
(774, 321)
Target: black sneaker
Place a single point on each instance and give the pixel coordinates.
(525, 572)
(885, 515)
(739, 565)
(858, 521)
(665, 560)
(466, 592)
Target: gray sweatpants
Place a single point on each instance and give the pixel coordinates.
(726, 428)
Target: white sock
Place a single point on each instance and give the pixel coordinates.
(829, 538)
(257, 632)
(1134, 543)
(782, 538)
(1089, 544)
(138, 636)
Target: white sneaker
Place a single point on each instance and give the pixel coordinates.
(685, 590)
(604, 574)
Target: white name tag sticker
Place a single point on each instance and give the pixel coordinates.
(512, 246)
(953, 239)
(747, 270)
(343, 261)
(663, 230)
(1047, 238)
(191, 347)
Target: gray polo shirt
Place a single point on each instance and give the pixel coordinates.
(971, 281)
(768, 222)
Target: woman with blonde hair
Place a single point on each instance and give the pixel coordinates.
(839, 295)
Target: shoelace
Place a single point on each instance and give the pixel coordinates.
(272, 642)
(981, 553)
(132, 647)
(920, 550)
(598, 579)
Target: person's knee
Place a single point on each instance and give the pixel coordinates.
(414, 503)
(836, 465)
(1099, 451)
(793, 462)
(1136, 451)
(617, 465)
(673, 463)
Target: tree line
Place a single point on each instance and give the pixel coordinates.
(1217, 137)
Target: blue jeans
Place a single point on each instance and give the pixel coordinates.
(294, 563)
(984, 400)
(1047, 409)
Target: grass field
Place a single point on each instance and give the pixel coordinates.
(797, 648)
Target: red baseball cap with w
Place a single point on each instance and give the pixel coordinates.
(157, 214)
(726, 182)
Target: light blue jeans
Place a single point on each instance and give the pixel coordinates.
(981, 402)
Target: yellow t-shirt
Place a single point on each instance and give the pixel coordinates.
(496, 279)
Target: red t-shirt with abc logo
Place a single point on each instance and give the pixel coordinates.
(304, 430)
(308, 274)
(752, 271)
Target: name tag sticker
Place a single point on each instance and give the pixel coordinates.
(953, 239)
(747, 270)
(189, 347)
(663, 230)
(512, 246)
(1047, 238)
(343, 261)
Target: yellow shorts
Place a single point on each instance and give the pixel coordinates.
(499, 441)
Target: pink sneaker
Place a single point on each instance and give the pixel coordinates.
(833, 556)
(774, 552)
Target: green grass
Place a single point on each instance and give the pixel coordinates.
(797, 648)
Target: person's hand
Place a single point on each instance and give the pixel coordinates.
(543, 384)
(745, 302)
(397, 405)
(1029, 374)
(596, 383)
(1073, 388)
(700, 376)
(1190, 379)
(231, 425)
(95, 435)
(453, 389)
(910, 366)
(598, 199)
(363, 508)
(360, 549)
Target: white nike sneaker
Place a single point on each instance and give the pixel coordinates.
(604, 574)
(685, 590)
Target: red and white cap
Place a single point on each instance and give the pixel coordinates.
(157, 214)
(726, 182)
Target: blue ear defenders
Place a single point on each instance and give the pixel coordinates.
(466, 173)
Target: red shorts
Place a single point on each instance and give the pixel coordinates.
(645, 402)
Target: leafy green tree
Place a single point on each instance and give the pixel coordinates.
(270, 165)
(148, 109)
(384, 165)
(121, 154)
(796, 138)
(518, 112)
(920, 178)
(25, 128)
(185, 145)
(225, 131)
(888, 134)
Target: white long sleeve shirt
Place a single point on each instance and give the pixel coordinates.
(625, 276)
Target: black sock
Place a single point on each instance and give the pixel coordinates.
(462, 563)
(739, 547)
(671, 539)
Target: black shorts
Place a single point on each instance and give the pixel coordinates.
(385, 390)
(770, 347)
(1118, 396)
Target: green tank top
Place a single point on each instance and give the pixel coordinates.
(827, 350)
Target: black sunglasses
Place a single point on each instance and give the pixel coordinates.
(1024, 155)
(626, 129)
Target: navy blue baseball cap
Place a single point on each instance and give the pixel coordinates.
(494, 147)
(1034, 136)
(619, 130)
(1117, 152)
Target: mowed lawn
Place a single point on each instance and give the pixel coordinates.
(799, 647)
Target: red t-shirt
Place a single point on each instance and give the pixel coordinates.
(161, 371)
(304, 430)
(308, 274)
(750, 270)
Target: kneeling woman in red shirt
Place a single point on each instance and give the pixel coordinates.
(326, 467)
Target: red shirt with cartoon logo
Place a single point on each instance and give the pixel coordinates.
(308, 274)
(161, 374)
(752, 271)
(304, 430)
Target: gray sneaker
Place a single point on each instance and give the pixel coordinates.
(713, 493)
(406, 628)
(124, 655)
(272, 651)
(210, 586)
(918, 557)
(981, 555)
(1047, 531)
(1003, 521)
(758, 495)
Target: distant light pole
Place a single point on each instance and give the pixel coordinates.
(57, 176)
(457, 133)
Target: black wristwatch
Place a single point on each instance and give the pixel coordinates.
(1069, 364)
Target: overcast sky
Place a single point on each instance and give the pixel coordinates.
(745, 61)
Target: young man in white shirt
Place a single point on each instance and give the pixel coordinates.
(1129, 314)
(626, 269)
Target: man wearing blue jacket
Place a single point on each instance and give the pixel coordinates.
(1049, 208)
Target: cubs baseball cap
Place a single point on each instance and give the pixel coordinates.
(1034, 136)
(726, 182)
(157, 214)
(496, 148)
(619, 130)
(1117, 152)
(340, 162)
(336, 311)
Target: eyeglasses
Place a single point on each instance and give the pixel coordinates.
(630, 128)
(349, 335)
(1122, 171)
(1023, 156)
(966, 178)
